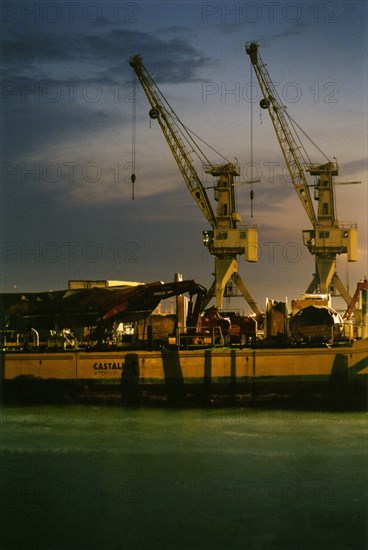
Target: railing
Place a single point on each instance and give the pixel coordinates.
(215, 335)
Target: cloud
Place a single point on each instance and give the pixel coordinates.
(60, 86)
(42, 131)
(99, 55)
(295, 29)
(355, 166)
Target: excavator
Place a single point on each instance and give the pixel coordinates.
(328, 237)
(227, 239)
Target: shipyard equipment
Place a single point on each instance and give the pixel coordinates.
(359, 299)
(96, 308)
(80, 307)
(227, 239)
(328, 237)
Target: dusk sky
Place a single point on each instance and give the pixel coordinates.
(67, 207)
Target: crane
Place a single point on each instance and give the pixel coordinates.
(329, 237)
(227, 239)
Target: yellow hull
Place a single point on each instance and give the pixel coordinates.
(205, 371)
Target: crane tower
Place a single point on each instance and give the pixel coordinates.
(227, 239)
(328, 237)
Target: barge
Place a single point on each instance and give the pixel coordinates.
(220, 359)
(206, 375)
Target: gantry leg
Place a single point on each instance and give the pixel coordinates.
(225, 268)
(243, 289)
(341, 288)
(314, 285)
(324, 276)
(210, 294)
(326, 268)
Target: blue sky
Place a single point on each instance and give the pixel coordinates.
(67, 208)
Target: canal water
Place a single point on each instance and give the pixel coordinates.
(111, 478)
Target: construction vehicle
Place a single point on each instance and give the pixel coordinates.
(328, 237)
(99, 309)
(227, 239)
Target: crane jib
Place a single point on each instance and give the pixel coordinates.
(329, 237)
(290, 149)
(226, 240)
(169, 124)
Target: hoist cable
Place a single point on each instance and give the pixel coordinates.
(183, 129)
(293, 123)
(134, 128)
(251, 141)
(306, 135)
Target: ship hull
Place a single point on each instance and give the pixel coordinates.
(178, 375)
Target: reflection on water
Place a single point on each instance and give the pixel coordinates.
(109, 478)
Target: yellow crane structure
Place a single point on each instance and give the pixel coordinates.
(227, 239)
(329, 237)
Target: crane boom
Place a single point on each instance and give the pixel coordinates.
(289, 147)
(226, 240)
(171, 132)
(328, 237)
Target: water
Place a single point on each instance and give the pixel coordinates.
(110, 478)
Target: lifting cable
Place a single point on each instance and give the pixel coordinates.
(186, 133)
(296, 136)
(251, 142)
(133, 177)
(294, 123)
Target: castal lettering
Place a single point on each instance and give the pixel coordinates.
(107, 366)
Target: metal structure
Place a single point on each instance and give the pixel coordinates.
(227, 239)
(361, 287)
(86, 307)
(329, 237)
